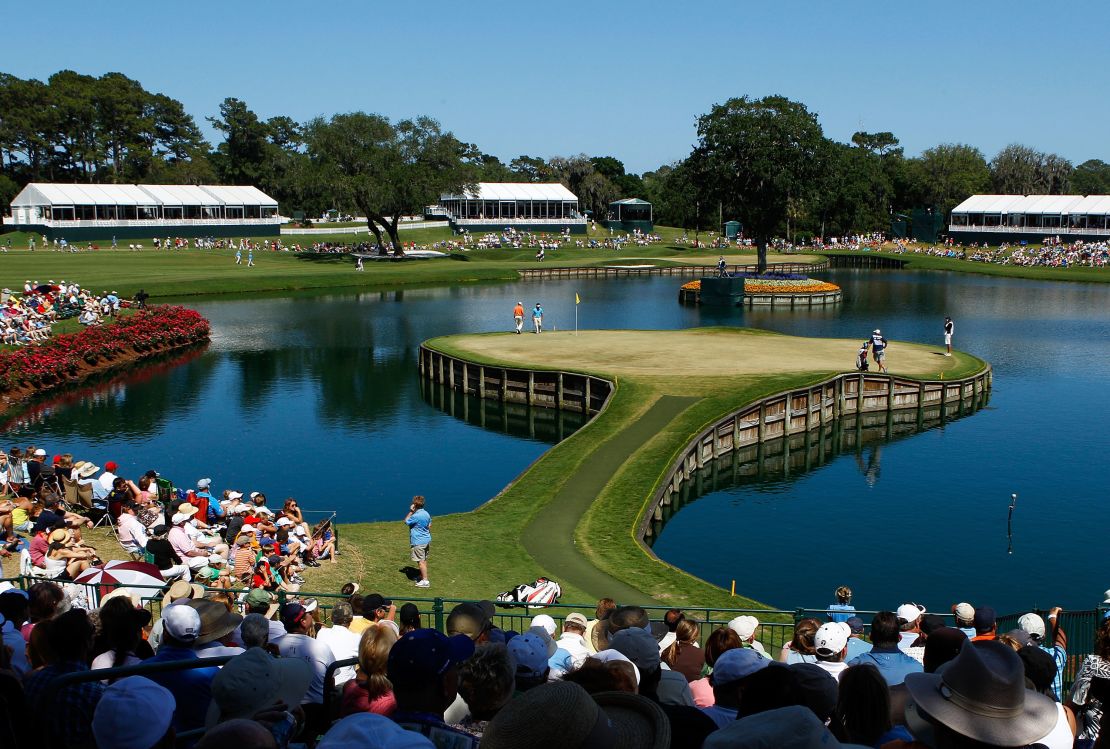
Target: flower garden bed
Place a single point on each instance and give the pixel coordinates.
(69, 358)
(773, 289)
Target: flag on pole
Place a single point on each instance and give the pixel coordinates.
(577, 299)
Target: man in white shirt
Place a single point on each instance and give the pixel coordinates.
(301, 644)
(831, 644)
(108, 477)
(342, 641)
(572, 651)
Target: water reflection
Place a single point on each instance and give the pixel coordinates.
(549, 425)
(776, 463)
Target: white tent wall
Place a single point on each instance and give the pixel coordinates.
(1026, 216)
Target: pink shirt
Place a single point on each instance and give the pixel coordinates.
(181, 542)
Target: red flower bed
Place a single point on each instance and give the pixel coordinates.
(59, 359)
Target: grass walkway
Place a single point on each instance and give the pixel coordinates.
(549, 536)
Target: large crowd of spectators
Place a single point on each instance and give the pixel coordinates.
(29, 317)
(372, 675)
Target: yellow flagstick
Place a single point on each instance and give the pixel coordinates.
(577, 301)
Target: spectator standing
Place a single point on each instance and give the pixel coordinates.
(965, 618)
(986, 625)
(420, 536)
(843, 608)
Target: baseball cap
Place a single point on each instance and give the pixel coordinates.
(292, 614)
(545, 621)
(576, 618)
(1021, 637)
(744, 626)
(181, 622)
(425, 653)
(831, 638)
(529, 652)
(114, 722)
(284, 521)
(375, 601)
(965, 612)
(259, 597)
(368, 729)
(735, 664)
(910, 612)
(855, 624)
(235, 495)
(984, 618)
(254, 680)
(204, 483)
(467, 619)
(111, 466)
(40, 453)
(1033, 624)
(638, 646)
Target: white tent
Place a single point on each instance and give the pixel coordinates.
(1061, 214)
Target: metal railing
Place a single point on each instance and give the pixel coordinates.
(1048, 231)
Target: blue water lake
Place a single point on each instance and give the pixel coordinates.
(316, 396)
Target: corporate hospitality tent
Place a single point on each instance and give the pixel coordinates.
(79, 211)
(1033, 214)
(513, 201)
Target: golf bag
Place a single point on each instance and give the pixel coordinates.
(536, 595)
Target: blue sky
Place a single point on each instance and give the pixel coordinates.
(611, 78)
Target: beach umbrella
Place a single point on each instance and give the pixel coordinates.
(141, 578)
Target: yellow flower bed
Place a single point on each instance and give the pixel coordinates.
(776, 286)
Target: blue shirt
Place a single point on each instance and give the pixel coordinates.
(419, 524)
(191, 687)
(1061, 657)
(892, 663)
(537, 312)
(856, 647)
(841, 612)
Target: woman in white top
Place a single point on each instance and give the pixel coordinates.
(121, 634)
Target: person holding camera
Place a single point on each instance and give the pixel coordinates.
(420, 537)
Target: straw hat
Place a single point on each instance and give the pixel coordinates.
(87, 470)
(182, 590)
(59, 536)
(186, 509)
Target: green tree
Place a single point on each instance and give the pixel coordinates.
(123, 119)
(758, 155)
(244, 155)
(1021, 170)
(492, 169)
(387, 171)
(1092, 177)
(949, 173)
(530, 169)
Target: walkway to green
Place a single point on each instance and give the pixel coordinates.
(549, 535)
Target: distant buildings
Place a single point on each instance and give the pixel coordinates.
(79, 212)
(493, 206)
(995, 218)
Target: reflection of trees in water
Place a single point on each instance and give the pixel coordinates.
(778, 461)
(548, 425)
(138, 402)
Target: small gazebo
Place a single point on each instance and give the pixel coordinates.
(630, 214)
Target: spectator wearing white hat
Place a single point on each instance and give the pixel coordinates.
(909, 624)
(831, 644)
(1056, 645)
(572, 650)
(191, 555)
(745, 627)
(965, 618)
(191, 688)
(135, 713)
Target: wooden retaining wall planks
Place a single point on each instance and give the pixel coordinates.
(814, 410)
(684, 271)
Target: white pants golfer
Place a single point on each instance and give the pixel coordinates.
(538, 322)
(519, 322)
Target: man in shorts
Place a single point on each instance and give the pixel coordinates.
(420, 537)
(948, 328)
(878, 349)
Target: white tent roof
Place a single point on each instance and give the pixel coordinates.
(516, 191)
(1050, 204)
(42, 193)
(1092, 205)
(239, 195)
(987, 204)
